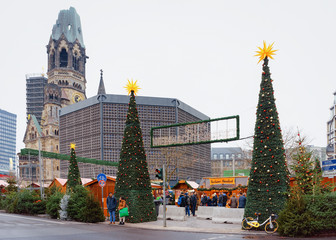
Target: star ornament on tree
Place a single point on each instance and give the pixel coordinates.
(132, 86)
(72, 146)
(266, 51)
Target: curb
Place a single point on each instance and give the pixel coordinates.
(193, 230)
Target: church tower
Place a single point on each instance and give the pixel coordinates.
(66, 85)
(67, 58)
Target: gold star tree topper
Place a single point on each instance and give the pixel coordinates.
(72, 146)
(132, 86)
(266, 51)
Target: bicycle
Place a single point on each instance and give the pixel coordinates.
(270, 227)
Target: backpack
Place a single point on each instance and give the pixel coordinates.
(188, 200)
(220, 200)
(179, 201)
(183, 202)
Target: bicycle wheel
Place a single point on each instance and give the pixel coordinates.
(246, 226)
(272, 229)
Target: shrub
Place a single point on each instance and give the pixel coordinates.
(308, 215)
(83, 207)
(10, 202)
(53, 204)
(295, 220)
(93, 212)
(77, 203)
(29, 202)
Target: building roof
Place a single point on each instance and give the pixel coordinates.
(191, 184)
(63, 181)
(141, 100)
(69, 24)
(3, 183)
(224, 151)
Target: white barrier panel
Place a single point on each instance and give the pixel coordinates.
(222, 214)
(173, 213)
(204, 212)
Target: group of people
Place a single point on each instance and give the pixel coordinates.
(111, 203)
(189, 202)
(222, 200)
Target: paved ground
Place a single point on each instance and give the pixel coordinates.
(21, 227)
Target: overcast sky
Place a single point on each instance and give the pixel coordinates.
(200, 52)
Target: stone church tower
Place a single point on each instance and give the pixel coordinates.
(66, 83)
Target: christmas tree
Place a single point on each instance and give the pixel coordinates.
(308, 172)
(73, 173)
(269, 177)
(133, 182)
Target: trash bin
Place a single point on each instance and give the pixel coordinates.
(157, 206)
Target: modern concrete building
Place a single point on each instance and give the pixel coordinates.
(331, 131)
(222, 161)
(35, 84)
(7, 142)
(96, 126)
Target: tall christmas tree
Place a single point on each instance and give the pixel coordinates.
(133, 182)
(269, 177)
(73, 173)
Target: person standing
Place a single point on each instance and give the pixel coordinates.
(187, 204)
(224, 199)
(181, 200)
(220, 200)
(242, 201)
(233, 201)
(193, 203)
(204, 200)
(111, 203)
(122, 204)
(214, 200)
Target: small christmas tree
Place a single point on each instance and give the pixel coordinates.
(133, 182)
(269, 178)
(73, 173)
(308, 172)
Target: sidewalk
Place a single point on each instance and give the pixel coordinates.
(194, 225)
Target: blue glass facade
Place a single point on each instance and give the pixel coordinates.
(7, 141)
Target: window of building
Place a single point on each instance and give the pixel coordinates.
(215, 156)
(63, 58)
(239, 155)
(75, 61)
(221, 156)
(227, 156)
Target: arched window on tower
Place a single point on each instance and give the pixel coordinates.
(63, 58)
(52, 60)
(75, 61)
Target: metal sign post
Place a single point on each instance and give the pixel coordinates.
(164, 195)
(101, 178)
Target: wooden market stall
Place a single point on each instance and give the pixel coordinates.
(183, 186)
(61, 183)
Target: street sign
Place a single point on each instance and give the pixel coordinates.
(102, 183)
(101, 176)
(329, 168)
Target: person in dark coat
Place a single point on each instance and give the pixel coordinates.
(209, 202)
(187, 204)
(111, 203)
(242, 201)
(193, 203)
(224, 199)
(204, 200)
